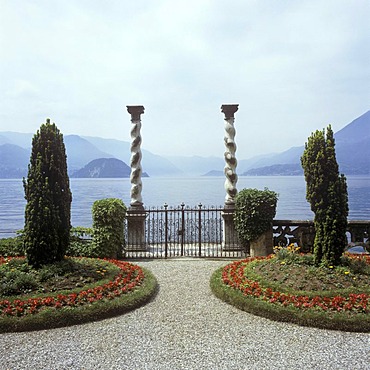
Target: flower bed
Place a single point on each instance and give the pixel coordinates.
(233, 275)
(254, 285)
(130, 277)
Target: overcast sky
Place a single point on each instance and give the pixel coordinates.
(292, 66)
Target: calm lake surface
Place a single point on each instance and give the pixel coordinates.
(173, 191)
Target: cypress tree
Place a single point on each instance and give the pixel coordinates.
(326, 191)
(48, 195)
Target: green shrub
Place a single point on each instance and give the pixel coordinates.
(48, 209)
(327, 194)
(12, 247)
(108, 228)
(17, 282)
(356, 265)
(254, 213)
(289, 253)
(80, 243)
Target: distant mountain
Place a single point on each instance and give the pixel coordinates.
(14, 156)
(276, 170)
(151, 163)
(290, 156)
(214, 173)
(80, 152)
(195, 165)
(356, 131)
(352, 147)
(104, 168)
(17, 138)
(13, 161)
(4, 140)
(245, 164)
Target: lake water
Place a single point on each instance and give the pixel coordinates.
(173, 191)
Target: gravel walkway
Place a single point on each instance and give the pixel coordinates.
(185, 327)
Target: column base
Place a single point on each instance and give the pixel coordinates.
(230, 240)
(136, 240)
(263, 246)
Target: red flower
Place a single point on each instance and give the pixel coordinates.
(130, 277)
(233, 275)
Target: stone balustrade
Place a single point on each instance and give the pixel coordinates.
(303, 233)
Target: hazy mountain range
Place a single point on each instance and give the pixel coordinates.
(15, 150)
(352, 146)
(352, 149)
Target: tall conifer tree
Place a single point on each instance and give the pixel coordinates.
(48, 195)
(326, 191)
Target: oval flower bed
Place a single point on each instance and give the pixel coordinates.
(341, 312)
(86, 304)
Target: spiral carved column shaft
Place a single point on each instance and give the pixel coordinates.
(135, 163)
(230, 241)
(230, 159)
(136, 213)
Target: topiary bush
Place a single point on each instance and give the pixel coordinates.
(326, 191)
(48, 195)
(254, 213)
(108, 228)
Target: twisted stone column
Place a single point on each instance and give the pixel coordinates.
(230, 159)
(135, 163)
(230, 240)
(136, 214)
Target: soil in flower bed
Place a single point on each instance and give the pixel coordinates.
(301, 275)
(298, 277)
(17, 278)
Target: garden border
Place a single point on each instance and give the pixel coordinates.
(99, 310)
(308, 317)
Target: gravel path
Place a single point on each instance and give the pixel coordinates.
(185, 327)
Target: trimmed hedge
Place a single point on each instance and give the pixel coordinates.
(254, 213)
(108, 228)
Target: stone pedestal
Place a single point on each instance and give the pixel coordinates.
(136, 240)
(230, 240)
(263, 246)
(136, 214)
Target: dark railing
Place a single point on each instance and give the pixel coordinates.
(199, 232)
(183, 232)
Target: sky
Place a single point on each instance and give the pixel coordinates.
(292, 66)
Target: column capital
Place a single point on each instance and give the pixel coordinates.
(135, 111)
(229, 109)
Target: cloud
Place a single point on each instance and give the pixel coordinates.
(23, 89)
(292, 66)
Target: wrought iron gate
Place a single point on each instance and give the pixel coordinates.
(183, 232)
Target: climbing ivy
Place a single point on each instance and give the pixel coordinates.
(254, 213)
